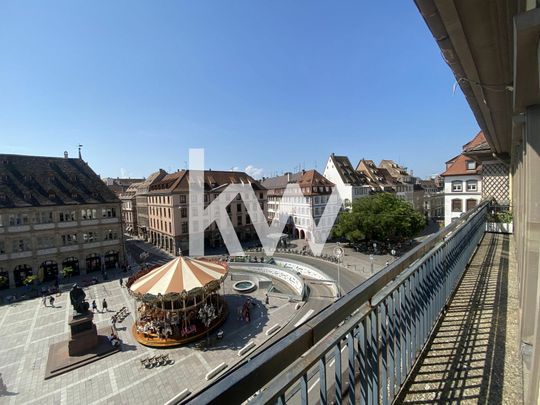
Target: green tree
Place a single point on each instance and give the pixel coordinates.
(379, 217)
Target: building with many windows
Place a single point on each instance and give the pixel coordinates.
(141, 203)
(462, 182)
(305, 209)
(129, 208)
(55, 213)
(168, 209)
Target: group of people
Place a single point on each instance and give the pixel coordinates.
(104, 306)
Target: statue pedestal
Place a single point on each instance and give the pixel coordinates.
(84, 335)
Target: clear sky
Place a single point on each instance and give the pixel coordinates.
(266, 84)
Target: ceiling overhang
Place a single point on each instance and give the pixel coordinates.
(475, 38)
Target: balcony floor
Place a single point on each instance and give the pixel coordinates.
(474, 357)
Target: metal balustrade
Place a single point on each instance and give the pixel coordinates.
(362, 348)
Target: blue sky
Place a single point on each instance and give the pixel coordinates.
(267, 84)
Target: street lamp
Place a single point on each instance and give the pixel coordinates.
(371, 260)
(338, 253)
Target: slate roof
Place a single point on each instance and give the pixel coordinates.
(346, 171)
(35, 181)
(213, 180)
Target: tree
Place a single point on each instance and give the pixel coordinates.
(379, 217)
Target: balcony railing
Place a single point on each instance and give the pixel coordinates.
(363, 347)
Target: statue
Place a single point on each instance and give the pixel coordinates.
(77, 296)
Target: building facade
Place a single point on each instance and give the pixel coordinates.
(168, 209)
(304, 209)
(55, 213)
(141, 203)
(350, 183)
(129, 209)
(462, 182)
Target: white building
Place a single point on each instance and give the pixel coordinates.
(305, 208)
(462, 182)
(350, 183)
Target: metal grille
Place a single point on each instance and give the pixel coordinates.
(363, 347)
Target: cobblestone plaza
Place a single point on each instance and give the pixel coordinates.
(28, 328)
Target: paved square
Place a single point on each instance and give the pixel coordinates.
(28, 328)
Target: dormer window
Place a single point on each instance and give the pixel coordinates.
(471, 165)
(52, 195)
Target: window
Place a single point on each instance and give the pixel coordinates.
(66, 216)
(182, 199)
(471, 203)
(90, 237)
(183, 212)
(18, 219)
(88, 213)
(238, 207)
(43, 217)
(69, 239)
(108, 212)
(472, 185)
(184, 227)
(457, 186)
(110, 235)
(2, 247)
(457, 205)
(471, 165)
(239, 220)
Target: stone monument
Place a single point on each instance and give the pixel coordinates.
(84, 335)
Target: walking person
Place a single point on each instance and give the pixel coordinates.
(51, 301)
(104, 305)
(44, 300)
(121, 282)
(94, 306)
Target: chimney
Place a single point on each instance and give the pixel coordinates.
(65, 154)
(288, 177)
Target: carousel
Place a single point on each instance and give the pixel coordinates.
(178, 302)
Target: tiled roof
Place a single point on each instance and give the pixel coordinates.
(477, 140)
(309, 178)
(212, 180)
(458, 167)
(346, 171)
(27, 181)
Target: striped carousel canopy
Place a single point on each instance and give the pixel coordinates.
(178, 275)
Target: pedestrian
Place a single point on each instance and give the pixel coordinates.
(51, 301)
(121, 282)
(94, 306)
(44, 300)
(104, 305)
(266, 300)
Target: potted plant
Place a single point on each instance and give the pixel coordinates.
(500, 222)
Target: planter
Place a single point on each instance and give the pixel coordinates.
(500, 227)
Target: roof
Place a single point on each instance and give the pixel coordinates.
(213, 180)
(458, 167)
(479, 139)
(395, 170)
(35, 181)
(346, 171)
(178, 275)
(309, 178)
